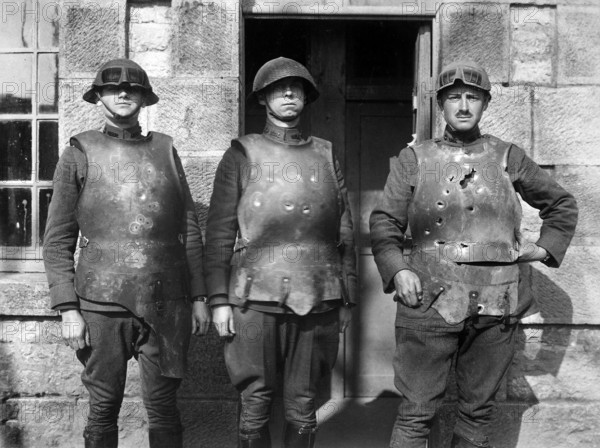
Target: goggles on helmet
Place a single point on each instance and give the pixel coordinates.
(121, 75)
(468, 75)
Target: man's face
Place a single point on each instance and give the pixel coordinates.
(285, 99)
(463, 106)
(124, 101)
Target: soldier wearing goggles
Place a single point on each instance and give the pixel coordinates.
(457, 289)
(140, 259)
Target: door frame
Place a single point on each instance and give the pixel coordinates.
(424, 120)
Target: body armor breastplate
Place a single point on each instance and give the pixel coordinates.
(289, 218)
(463, 217)
(130, 213)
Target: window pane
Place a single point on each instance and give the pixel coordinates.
(15, 150)
(16, 30)
(15, 221)
(48, 155)
(48, 83)
(44, 200)
(48, 20)
(15, 79)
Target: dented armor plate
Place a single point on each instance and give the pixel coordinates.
(289, 217)
(463, 217)
(130, 213)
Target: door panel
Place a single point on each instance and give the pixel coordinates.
(375, 132)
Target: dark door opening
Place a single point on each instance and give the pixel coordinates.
(371, 75)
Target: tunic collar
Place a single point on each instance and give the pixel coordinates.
(132, 133)
(289, 136)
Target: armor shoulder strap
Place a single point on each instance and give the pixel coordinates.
(84, 140)
(248, 144)
(500, 148)
(162, 140)
(424, 149)
(325, 146)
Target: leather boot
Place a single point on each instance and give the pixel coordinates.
(255, 439)
(165, 438)
(299, 436)
(460, 442)
(94, 439)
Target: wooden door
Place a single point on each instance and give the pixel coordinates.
(373, 77)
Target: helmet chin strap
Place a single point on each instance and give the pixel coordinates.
(281, 118)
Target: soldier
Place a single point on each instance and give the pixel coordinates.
(140, 259)
(280, 266)
(457, 289)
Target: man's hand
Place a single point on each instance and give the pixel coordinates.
(222, 317)
(408, 288)
(75, 331)
(529, 251)
(344, 316)
(200, 318)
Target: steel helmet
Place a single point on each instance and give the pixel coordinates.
(469, 72)
(280, 68)
(121, 71)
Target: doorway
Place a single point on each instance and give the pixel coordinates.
(372, 76)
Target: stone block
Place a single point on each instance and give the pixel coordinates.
(530, 222)
(149, 37)
(555, 362)
(568, 295)
(24, 295)
(91, 34)
(206, 38)
(146, 13)
(566, 126)
(530, 425)
(200, 114)
(476, 31)
(579, 44)
(76, 115)
(156, 63)
(509, 115)
(35, 362)
(200, 173)
(52, 422)
(533, 44)
(583, 182)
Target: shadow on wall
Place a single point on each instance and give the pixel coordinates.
(10, 436)
(540, 351)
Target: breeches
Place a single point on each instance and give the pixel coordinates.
(425, 347)
(115, 338)
(302, 348)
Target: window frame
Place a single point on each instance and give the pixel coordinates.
(29, 258)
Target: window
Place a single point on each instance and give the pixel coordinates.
(28, 128)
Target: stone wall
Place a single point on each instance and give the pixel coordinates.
(190, 51)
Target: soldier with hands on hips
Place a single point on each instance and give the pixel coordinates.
(281, 268)
(138, 287)
(457, 282)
